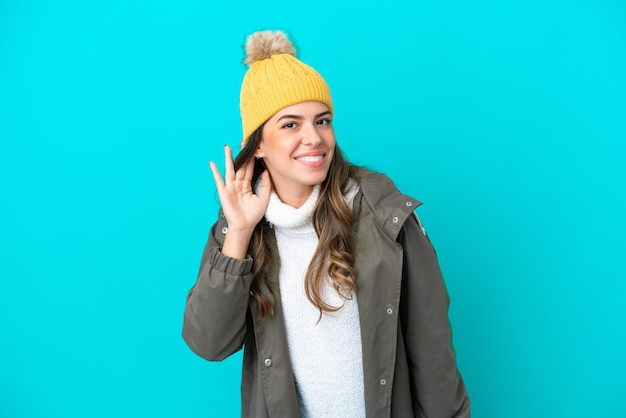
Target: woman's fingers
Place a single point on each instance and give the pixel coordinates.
(249, 170)
(243, 174)
(243, 209)
(234, 181)
(266, 187)
(216, 175)
(228, 163)
(240, 173)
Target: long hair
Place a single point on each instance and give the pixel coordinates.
(332, 221)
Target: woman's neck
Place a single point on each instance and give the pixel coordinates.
(294, 196)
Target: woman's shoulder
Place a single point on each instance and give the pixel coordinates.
(380, 190)
(381, 198)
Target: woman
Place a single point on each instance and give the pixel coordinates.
(320, 270)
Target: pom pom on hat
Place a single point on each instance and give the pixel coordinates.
(275, 80)
(264, 44)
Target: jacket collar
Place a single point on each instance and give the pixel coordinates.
(380, 197)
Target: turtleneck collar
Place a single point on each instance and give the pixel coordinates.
(298, 220)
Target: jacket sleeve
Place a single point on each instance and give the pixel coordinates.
(437, 388)
(214, 324)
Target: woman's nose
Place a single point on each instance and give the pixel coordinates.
(311, 137)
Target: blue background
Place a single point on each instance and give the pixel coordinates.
(506, 118)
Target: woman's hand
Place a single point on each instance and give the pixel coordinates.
(242, 208)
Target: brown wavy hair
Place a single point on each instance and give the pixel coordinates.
(332, 221)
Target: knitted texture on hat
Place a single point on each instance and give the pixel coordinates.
(276, 79)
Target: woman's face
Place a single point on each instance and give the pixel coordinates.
(297, 146)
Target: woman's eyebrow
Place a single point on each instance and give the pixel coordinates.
(298, 117)
(319, 115)
(290, 117)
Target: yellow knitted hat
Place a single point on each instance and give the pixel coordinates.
(276, 79)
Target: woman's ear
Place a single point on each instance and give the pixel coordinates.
(259, 153)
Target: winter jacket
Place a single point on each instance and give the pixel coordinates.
(409, 363)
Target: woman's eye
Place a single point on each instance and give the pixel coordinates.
(324, 121)
(289, 125)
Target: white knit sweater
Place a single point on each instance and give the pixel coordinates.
(326, 357)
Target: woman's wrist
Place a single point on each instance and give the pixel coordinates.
(236, 243)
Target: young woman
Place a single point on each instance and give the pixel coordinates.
(320, 270)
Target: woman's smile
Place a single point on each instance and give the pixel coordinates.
(312, 160)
